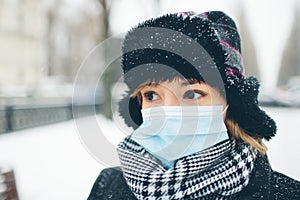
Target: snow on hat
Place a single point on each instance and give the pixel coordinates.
(191, 45)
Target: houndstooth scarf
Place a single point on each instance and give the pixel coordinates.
(218, 172)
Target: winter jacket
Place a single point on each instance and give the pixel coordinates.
(264, 184)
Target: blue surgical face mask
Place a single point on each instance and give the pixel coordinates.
(172, 132)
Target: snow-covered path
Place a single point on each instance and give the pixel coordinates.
(51, 163)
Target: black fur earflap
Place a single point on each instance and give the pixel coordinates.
(244, 110)
(130, 110)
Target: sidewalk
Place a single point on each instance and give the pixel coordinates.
(49, 162)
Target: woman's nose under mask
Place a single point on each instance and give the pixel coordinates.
(172, 132)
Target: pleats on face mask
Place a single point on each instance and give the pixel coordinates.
(172, 132)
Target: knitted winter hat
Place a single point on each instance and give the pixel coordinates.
(203, 46)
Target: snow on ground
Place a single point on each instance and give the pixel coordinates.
(284, 148)
(50, 162)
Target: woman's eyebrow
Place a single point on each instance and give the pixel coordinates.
(186, 83)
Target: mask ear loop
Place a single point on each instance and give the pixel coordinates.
(224, 113)
(225, 109)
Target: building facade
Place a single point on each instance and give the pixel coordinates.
(23, 44)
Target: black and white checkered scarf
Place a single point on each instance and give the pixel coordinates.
(219, 172)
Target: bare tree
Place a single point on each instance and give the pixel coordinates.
(108, 77)
(51, 19)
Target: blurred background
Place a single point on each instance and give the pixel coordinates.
(43, 45)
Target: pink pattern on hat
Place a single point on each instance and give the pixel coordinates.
(230, 47)
(205, 15)
(234, 72)
(230, 70)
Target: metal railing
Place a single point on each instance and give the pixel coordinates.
(18, 117)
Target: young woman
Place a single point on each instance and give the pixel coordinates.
(198, 129)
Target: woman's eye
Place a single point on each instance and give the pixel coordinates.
(192, 94)
(151, 96)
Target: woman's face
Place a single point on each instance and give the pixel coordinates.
(180, 93)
